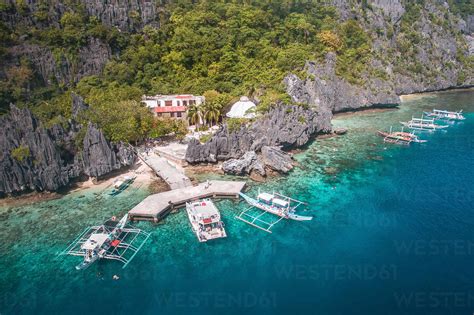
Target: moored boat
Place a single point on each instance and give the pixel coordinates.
(277, 204)
(121, 184)
(399, 137)
(97, 245)
(205, 220)
(114, 239)
(423, 124)
(445, 115)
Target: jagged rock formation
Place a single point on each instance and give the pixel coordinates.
(245, 165)
(40, 167)
(284, 126)
(271, 158)
(33, 158)
(92, 58)
(333, 93)
(397, 66)
(78, 105)
(125, 14)
(276, 159)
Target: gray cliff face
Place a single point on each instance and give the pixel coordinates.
(330, 92)
(100, 157)
(91, 58)
(432, 64)
(125, 14)
(284, 126)
(51, 161)
(41, 168)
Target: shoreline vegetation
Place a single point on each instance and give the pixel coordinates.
(331, 57)
(155, 184)
(145, 177)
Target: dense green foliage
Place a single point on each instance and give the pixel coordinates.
(21, 153)
(222, 49)
(236, 48)
(219, 49)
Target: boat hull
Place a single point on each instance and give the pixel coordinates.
(86, 264)
(273, 210)
(296, 217)
(423, 127)
(445, 117)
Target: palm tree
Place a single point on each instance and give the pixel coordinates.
(213, 111)
(194, 115)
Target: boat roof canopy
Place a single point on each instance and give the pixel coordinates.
(266, 197)
(205, 209)
(95, 240)
(280, 202)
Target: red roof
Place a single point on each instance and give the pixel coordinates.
(115, 243)
(170, 109)
(207, 220)
(185, 97)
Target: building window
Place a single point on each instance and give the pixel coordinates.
(168, 103)
(185, 103)
(179, 114)
(192, 102)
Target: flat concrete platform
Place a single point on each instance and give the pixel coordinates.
(155, 207)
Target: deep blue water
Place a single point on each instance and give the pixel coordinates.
(393, 234)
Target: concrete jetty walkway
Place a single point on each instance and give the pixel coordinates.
(173, 175)
(155, 207)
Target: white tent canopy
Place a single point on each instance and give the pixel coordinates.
(242, 109)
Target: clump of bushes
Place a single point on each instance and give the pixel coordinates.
(234, 124)
(21, 153)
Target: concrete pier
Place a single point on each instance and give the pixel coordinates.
(155, 207)
(173, 175)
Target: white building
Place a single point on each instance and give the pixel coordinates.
(172, 105)
(244, 108)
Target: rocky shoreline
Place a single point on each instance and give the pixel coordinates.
(34, 158)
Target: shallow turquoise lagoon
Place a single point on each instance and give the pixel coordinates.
(392, 234)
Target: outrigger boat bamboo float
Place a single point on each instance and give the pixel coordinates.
(121, 184)
(400, 137)
(112, 240)
(423, 124)
(445, 115)
(205, 220)
(275, 204)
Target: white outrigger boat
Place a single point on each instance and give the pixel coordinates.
(275, 204)
(121, 184)
(423, 124)
(400, 137)
(111, 240)
(205, 220)
(445, 115)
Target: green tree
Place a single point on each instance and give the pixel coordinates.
(194, 115)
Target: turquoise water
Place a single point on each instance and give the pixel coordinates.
(392, 234)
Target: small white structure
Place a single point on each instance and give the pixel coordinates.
(171, 105)
(244, 108)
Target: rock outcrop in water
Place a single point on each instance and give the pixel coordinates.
(33, 158)
(284, 127)
(271, 158)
